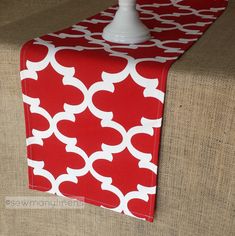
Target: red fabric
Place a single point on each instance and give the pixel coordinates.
(93, 109)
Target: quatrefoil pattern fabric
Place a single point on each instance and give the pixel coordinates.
(94, 109)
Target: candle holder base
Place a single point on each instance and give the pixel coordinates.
(112, 35)
(126, 27)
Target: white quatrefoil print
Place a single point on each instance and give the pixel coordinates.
(94, 109)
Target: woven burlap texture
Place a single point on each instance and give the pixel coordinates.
(196, 178)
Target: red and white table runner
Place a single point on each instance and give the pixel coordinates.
(94, 109)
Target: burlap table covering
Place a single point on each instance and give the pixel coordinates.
(196, 179)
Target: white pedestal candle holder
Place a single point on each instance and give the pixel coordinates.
(126, 27)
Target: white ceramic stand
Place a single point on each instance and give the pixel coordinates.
(126, 27)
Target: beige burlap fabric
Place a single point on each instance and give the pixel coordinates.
(196, 180)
